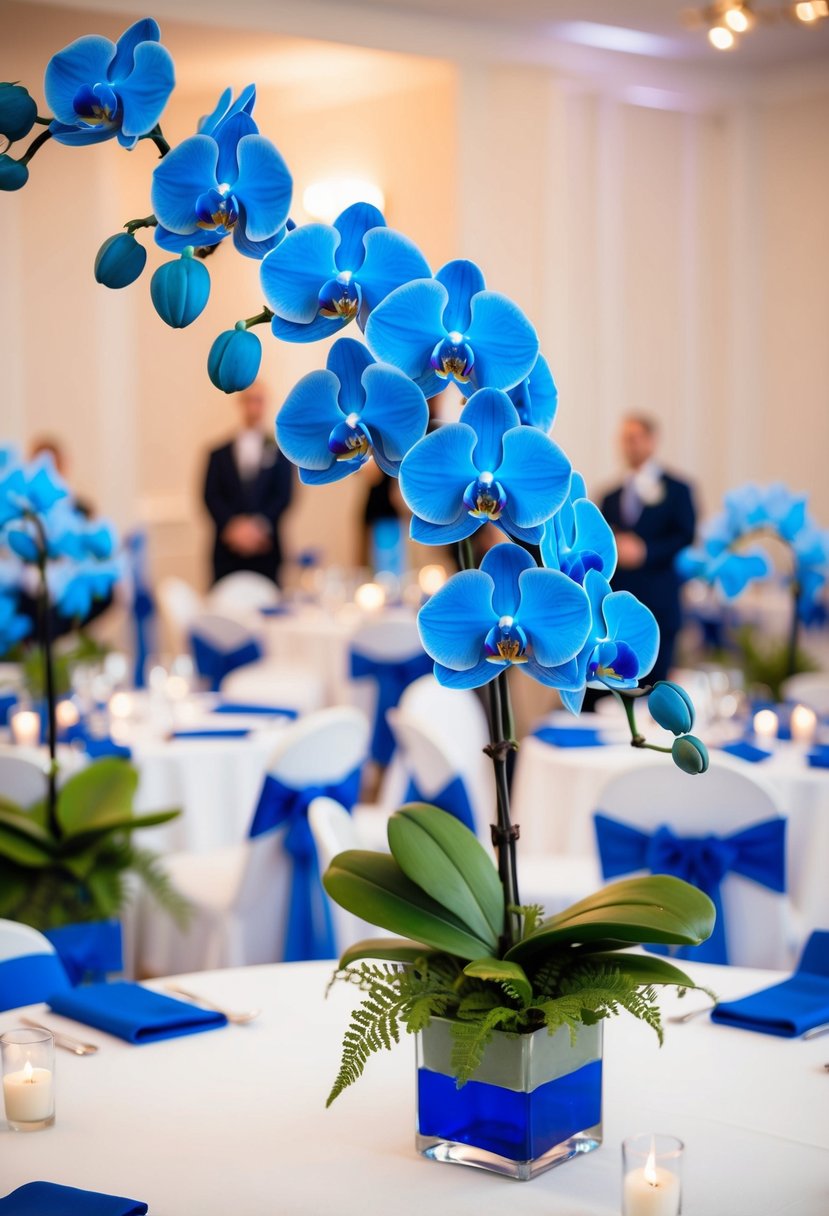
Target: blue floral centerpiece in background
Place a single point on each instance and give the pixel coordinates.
(506, 1003)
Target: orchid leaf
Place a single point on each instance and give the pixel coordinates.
(373, 887)
(438, 853)
(385, 949)
(512, 978)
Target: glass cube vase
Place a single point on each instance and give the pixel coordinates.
(535, 1101)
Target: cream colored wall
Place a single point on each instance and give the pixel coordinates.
(674, 261)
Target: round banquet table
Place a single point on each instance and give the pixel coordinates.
(233, 1121)
(556, 791)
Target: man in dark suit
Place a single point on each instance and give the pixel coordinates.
(247, 489)
(653, 516)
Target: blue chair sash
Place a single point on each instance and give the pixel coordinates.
(8, 701)
(392, 678)
(453, 798)
(213, 664)
(88, 951)
(309, 932)
(757, 852)
(142, 607)
(29, 979)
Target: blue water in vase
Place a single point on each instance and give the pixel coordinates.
(517, 1125)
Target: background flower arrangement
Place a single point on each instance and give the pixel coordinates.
(475, 954)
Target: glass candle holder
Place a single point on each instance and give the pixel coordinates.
(28, 1065)
(652, 1175)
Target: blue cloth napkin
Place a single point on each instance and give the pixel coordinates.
(240, 707)
(792, 1007)
(569, 736)
(236, 732)
(131, 1012)
(819, 756)
(746, 751)
(50, 1199)
(276, 610)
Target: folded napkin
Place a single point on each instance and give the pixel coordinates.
(276, 610)
(96, 748)
(240, 707)
(131, 1012)
(50, 1199)
(570, 736)
(746, 751)
(791, 1008)
(212, 732)
(818, 757)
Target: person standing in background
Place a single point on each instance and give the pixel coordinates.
(247, 489)
(652, 514)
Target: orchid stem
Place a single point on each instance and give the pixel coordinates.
(35, 146)
(158, 139)
(45, 632)
(794, 631)
(149, 221)
(261, 318)
(44, 122)
(636, 738)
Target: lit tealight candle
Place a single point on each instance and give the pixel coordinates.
(120, 705)
(651, 1190)
(431, 579)
(370, 597)
(765, 725)
(28, 1095)
(66, 715)
(803, 724)
(25, 726)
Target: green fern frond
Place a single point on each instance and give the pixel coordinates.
(469, 1040)
(531, 914)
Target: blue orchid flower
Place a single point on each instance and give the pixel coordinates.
(77, 586)
(334, 420)
(14, 627)
(450, 328)
(510, 612)
(751, 507)
(226, 179)
(98, 89)
(31, 489)
(621, 645)
(322, 276)
(578, 538)
(536, 397)
(486, 468)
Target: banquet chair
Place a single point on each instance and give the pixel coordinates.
(433, 775)
(809, 688)
(386, 655)
(30, 970)
(246, 900)
(335, 831)
(268, 682)
(178, 604)
(242, 594)
(22, 781)
(220, 644)
(756, 921)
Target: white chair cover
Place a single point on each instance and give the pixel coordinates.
(335, 831)
(178, 604)
(239, 895)
(18, 940)
(760, 931)
(810, 688)
(242, 594)
(22, 781)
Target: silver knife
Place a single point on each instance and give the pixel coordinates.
(816, 1031)
(65, 1041)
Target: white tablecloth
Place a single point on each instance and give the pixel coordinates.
(557, 790)
(233, 1121)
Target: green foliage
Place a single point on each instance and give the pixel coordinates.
(80, 648)
(437, 891)
(766, 664)
(76, 868)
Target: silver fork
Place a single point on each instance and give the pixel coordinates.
(237, 1017)
(66, 1041)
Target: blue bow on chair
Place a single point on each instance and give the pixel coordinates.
(88, 951)
(393, 677)
(757, 852)
(309, 933)
(453, 798)
(143, 604)
(214, 664)
(29, 979)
